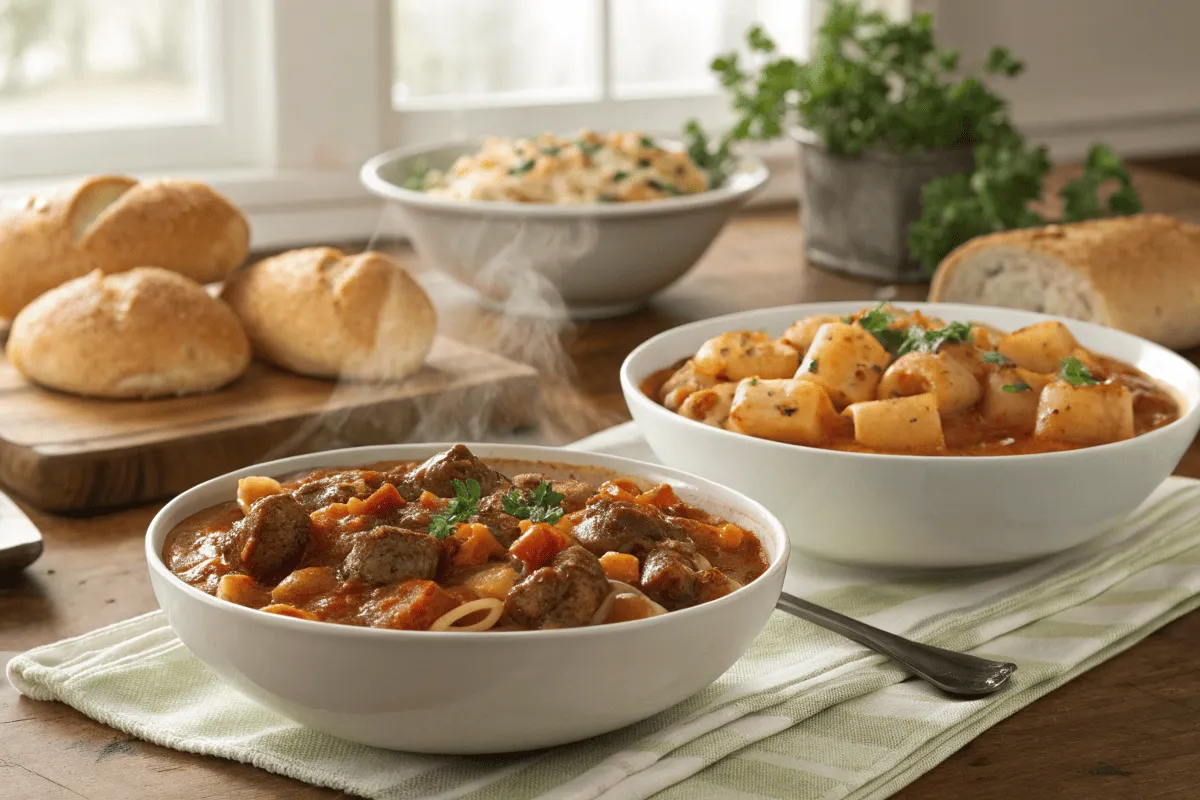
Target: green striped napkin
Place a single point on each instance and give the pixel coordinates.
(803, 714)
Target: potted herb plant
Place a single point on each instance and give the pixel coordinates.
(903, 159)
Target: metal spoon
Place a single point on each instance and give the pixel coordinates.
(956, 673)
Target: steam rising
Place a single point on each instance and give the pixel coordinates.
(513, 310)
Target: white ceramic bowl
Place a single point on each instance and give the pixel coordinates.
(451, 692)
(602, 259)
(923, 511)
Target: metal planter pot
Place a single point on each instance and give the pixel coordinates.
(856, 210)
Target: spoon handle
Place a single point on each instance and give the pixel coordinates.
(956, 673)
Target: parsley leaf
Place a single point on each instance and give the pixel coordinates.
(521, 167)
(458, 510)
(995, 357)
(922, 341)
(663, 187)
(587, 147)
(876, 322)
(1075, 373)
(812, 366)
(551, 150)
(647, 142)
(620, 175)
(1020, 386)
(543, 505)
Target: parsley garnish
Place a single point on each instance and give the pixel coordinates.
(607, 198)
(647, 142)
(551, 150)
(922, 341)
(849, 320)
(812, 366)
(1075, 373)
(542, 507)
(458, 510)
(620, 176)
(995, 357)
(1020, 386)
(663, 187)
(587, 147)
(754, 381)
(521, 167)
(876, 322)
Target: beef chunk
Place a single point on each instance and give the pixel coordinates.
(565, 594)
(622, 526)
(269, 542)
(337, 488)
(669, 576)
(575, 493)
(458, 463)
(505, 528)
(389, 555)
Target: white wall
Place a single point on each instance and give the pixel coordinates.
(1122, 71)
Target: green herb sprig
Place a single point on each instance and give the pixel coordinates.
(1076, 373)
(995, 357)
(1019, 386)
(919, 340)
(460, 508)
(543, 505)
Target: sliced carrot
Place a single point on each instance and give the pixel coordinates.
(382, 500)
(621, 567)
(525, 525)
(431, 502)
(538, 546)
(478, 545)
(730, 536)
(662, 496)
(620, 489)
(285, 610)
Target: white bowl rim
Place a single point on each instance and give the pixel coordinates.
(746, 505)
(631, 389)
(749, 178)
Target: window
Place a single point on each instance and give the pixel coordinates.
(136, 84)
(470, 67)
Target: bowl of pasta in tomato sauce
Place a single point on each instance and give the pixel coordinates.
(465, 598)
(919, 435)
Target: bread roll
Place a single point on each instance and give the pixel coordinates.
(113, 224)
(1140, 274)
(143, 333)
(319, 312)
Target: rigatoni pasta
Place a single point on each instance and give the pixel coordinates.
(894, 381)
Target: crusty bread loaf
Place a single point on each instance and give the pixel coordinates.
(1140, 274)
(142, 333)
(113, 223)
(319, 312)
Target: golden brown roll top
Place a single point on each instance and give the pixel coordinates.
(322, 313)
(114, 223)
(143, 333)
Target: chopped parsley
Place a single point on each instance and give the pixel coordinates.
(1020, 386)
(458, 510)
(647, 142)
(521, 167)
(812, 366)
(923, 341)
(587, 147)
(607, 198)
(1075, 373)
(849, 320)
(995, 357)
(754, 381)
(643, 162)
(663, 187)
(551, 150)
(877, 322)
(620, 176)
(417, 179)
(543, 505)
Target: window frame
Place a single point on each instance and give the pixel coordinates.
(222, 135)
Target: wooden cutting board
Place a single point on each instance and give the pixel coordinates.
(68, 453)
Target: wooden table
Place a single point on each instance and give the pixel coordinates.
(1129, 728)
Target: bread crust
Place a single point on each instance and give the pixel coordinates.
(142, 333)
(1142, 271)
(321, 313)
(114, 223)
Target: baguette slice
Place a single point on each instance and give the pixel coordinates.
(1140, 274)
(114, 223)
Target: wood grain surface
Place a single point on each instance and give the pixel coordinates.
(69, 453)
(1128, 729)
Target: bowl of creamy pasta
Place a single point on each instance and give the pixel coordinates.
(465, 598)
(596, 223)
(923, 436)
